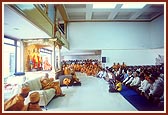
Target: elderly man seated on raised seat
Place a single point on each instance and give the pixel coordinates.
(47, 83)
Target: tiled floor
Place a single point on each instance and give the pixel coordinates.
(91, 96)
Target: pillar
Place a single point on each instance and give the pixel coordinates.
(53, 58)
(65, 29)
(22, 56)
(59, 56)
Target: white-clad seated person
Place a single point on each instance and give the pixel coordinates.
(159, 79)
(125, 75)
(155, 90)
(136, 80)
(145, 85)
(102, 73)
(109, 75)
(129, 78)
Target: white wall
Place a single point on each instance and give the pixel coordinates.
(108, 35)
(157, 33)
(132, 57)
(141, 56)
(135, 43)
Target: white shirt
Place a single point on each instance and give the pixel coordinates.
(125, 76)
(130, 80)
(135, 81)
(156, 89)
(118, 72)
(160, 81)
(126, 79)
(145, 85)
(102, 74)
(109, 75)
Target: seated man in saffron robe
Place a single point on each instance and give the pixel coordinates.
(75, 81)
(33, 105)
(16, 103)
(48, 83)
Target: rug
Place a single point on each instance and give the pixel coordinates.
(138, 101)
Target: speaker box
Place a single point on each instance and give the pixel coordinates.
(103, 59)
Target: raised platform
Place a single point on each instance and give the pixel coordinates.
(13, 83)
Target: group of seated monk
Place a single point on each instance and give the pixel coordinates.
(118, 65)
(67, 70)
(90, 67)
(16, 103)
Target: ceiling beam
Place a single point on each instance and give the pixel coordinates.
(114, 12)
(157, 15)
(137, 14)
(63, 12)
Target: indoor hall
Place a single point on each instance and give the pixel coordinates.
(63, 39)
(92, 96)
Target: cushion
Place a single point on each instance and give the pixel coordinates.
(49, 93)
(34, 84)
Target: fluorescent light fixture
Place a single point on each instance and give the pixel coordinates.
(133, 5)
(104, 5)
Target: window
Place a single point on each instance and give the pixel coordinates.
(9, 41)
(18, 66)
(11, 56)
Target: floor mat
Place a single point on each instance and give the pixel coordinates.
(138, 101)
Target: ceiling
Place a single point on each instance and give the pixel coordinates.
(16, 26)
(86, 12)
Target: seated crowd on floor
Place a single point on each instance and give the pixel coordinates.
(147, 80)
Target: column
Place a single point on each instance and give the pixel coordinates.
(59, 56)
(65, 29)
(22, 56)
(53, 58)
